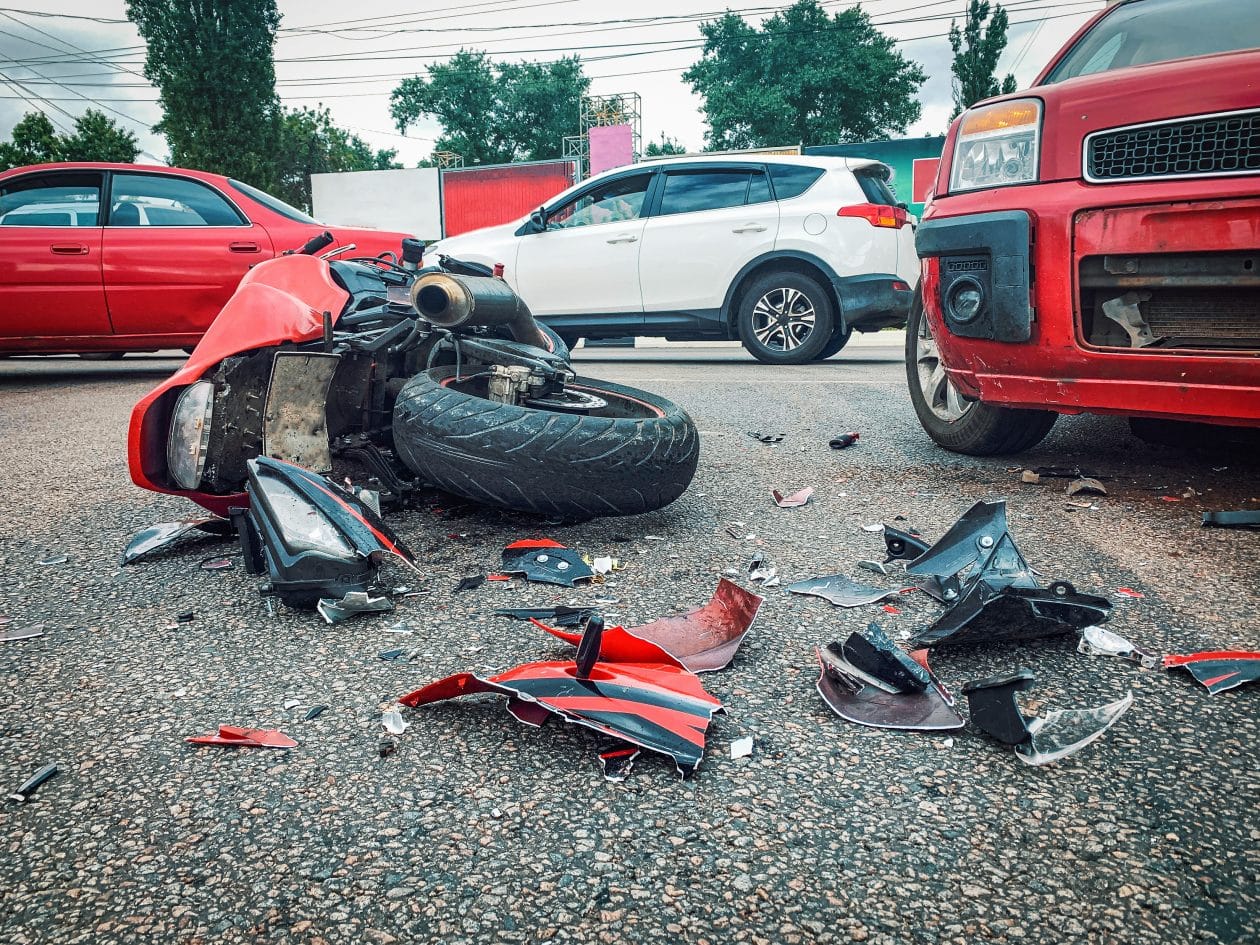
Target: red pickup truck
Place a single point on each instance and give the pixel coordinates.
(1092, 244)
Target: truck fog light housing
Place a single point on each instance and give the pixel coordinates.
(964, 300)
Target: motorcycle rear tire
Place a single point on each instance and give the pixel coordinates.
(637, 455)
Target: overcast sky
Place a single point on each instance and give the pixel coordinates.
(351, 66)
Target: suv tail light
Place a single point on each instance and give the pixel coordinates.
(876, 214)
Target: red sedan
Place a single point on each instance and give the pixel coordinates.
(110, 258)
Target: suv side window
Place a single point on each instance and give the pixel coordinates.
(160, 200)
(875, 187)
(51, 200)
(792, 180)
(692, 191)
(614, 202)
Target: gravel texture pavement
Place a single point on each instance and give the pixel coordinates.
(478, 829)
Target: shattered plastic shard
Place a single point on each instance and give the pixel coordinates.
(994, 709)
(842, 591)
(32, 784)
(1218, 670)
(393, 722)
(903, 546)
(470, 583)
(658, 707)
(546, 561)
(1086, 486)
(26, 633)
(156, 537)
(971, 538)
(868, 702)
(618, 762)
(766, 437)
(1064, 732)
(989, 614)
(880, 660)
(232, 736)
(1095, 641)
(354, 603)
(555, 616)
(702, 640)
(793, 500)
(741, 747)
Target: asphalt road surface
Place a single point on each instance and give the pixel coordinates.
(478, 829)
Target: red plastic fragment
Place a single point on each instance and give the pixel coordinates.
(1129, 592)
(793, 500)
(498, 577)
(536, 543)
(890, 609)
(233, 736)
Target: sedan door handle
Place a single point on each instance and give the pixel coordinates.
(624, 238)
(750, 228)
(69, 249)
(243, 248)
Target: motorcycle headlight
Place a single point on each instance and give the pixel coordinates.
(190, 433)
(997, 145)
(303, 526)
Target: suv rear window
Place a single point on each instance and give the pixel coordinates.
(1149, 31)
(874, 185)
(792, 180)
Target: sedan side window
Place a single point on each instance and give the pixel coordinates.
(614, 202)
(689, 192)
(51, 200)
(162, 200)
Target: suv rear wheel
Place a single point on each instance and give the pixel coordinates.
(960, 425)
(785, 318)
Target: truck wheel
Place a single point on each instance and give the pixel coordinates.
(835, 343)
(960, 425)
(635, 455)
(785, 318)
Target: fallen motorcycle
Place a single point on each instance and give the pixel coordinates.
(414, 376)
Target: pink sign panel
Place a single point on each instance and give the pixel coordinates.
(611, 146)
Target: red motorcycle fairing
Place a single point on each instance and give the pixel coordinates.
(280, 300)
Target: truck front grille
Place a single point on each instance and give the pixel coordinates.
(1206, 146)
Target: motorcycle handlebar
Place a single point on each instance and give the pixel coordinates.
(316, 243)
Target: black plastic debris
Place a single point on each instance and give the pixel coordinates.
(1244, 518)
(844, 441)
(155, 538)
(867, 699)
(1036, 740)
(766, 437)
(315, 712)
(1218, 670)
(903, 546)
(547, 562)
(998, 598)
(470, 583)
(877, 657)
(32, 784)
(842, 591)
(395, 656)
(556, 616)
(187, 616)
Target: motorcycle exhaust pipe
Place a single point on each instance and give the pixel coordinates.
(450, 301)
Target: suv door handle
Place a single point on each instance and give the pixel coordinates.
(243, 248)
(750, 228)
(624, 238)
(69, 249)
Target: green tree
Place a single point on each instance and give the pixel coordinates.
(97, 137)
(976, 54)
(495, 112)
(35, 141)
(804, 77)
(665, 146)
(212, 63)
(311, 144)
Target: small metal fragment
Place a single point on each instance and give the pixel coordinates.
(31, 784)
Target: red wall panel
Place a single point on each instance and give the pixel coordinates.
(473, 197)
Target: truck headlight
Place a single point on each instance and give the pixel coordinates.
(190, 433)
(997, 145)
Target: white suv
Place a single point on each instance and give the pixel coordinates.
(787, 254)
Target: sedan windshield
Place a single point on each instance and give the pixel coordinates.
(274, 204)
(1149, 31)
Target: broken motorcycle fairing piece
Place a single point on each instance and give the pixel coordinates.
(1095, 641)
(701, 641)
(903, 546)
(558, 616)
(1036, 740)
(546, 561)
(315, 539)
(658, 706)
(353, 604)
(842, 591)
(150, 540)
(1000, 597)
(794, 500)
(232, 736)
(1218, 670)
(881, 691)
